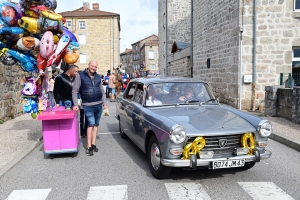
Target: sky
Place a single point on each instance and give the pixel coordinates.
(138, 18)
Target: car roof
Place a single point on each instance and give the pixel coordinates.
(162, 79)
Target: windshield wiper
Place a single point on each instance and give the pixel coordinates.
(209, 100)
(191, 101)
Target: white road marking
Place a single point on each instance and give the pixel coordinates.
(34, 194)
(264, 191)
(109, 133)
(115, 192)
(190, 191)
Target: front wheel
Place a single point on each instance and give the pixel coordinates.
(158, 170)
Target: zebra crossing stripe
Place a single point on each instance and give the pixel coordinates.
(191, 191)
(264, 191)
(116, 192)
(36, 194)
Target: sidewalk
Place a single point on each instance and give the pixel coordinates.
(21, 135)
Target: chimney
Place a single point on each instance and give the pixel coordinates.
(95, 6)
(86, 6)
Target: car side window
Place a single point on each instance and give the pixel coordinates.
(130, 91)
(138, 97)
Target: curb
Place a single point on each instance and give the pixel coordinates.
(286, 141)
(17, 159)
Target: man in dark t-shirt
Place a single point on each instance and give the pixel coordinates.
(64, 84)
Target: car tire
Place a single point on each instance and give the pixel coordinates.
(123, 135)
(248, 165)
(158, 170)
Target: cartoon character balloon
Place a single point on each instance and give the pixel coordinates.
(10, 13)
(28, 43)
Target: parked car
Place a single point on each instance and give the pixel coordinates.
(178, 122)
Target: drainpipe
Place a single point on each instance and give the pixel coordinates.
(192, 40)
(113, 37)
(254, 56)
(166, 37)
(241, 67)
(241, 59)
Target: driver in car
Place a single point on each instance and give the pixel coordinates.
(188, 94)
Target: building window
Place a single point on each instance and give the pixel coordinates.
(296, 57)
(297, 5)
(296, 66)
(81, 25)
(82, 58)
(69, 23)
(82, 39)
(151, 54)
(152, 66)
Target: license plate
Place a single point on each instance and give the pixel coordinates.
(228, 164)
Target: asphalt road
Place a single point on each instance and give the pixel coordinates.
(121, 165)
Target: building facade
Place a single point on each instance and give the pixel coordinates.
(239, 47)
(143, 55)
(149, 57)
(126, 61)
(98, 33)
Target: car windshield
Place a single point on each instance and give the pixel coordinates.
(170, 93)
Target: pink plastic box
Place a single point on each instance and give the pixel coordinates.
(60, 130)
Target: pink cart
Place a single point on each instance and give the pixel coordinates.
(60, 131)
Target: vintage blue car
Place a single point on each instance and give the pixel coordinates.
(178, 122)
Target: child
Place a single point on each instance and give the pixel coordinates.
(50, 92)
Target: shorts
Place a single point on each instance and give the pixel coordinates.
(112, 90)
(93, 114)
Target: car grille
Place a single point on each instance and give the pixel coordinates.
(212, 144)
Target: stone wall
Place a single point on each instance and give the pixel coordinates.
(180, 67)
(10, 92)
(296, 105)
(283, 102)
(216, 37)
(179, 24)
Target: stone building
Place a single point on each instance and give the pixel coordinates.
(126, 61)
(239, 47)
(149, 56)
(178, 22)
(145, 54)
(98, 33)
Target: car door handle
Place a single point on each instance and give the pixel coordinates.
(130, 107)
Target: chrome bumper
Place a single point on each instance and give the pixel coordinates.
(206, 162)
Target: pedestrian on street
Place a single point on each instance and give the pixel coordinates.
(90, 87)
(64, 84)
(112, 85)
(119, 81)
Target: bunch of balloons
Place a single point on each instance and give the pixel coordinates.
(32, 35)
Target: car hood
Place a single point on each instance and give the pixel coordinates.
(206, 120)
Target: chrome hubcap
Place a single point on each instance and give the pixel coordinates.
(155, 156)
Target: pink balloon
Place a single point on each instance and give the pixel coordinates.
(47, 44)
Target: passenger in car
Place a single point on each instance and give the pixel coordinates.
(171, 97)
(151, 100)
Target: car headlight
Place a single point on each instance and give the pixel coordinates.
(265, 128)
(177, 134)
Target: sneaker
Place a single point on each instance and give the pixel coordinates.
(89, 151)
(94, 148)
